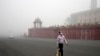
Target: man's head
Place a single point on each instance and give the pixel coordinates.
(60, 33)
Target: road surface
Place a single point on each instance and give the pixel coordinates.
(47, 47)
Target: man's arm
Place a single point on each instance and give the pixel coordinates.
(65, 40)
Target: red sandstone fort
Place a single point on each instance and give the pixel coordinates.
(87, 26)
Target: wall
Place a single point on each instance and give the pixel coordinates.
(74, 32)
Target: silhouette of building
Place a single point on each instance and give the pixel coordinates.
(39, 31)
(93, 4)
(84, 32)
(37, 23)
(85, 26)
(88, 17)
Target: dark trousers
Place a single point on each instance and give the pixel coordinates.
(61, 49)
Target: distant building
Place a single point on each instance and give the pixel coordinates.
(93, 4)
(84, 32)
(88, 17)
(82, 25)
(37, 23)
(69, 21)
(42, 32)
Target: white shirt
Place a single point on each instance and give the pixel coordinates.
(61, 39)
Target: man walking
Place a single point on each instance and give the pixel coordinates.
(60, 41)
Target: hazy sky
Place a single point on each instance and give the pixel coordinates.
(16, 16)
